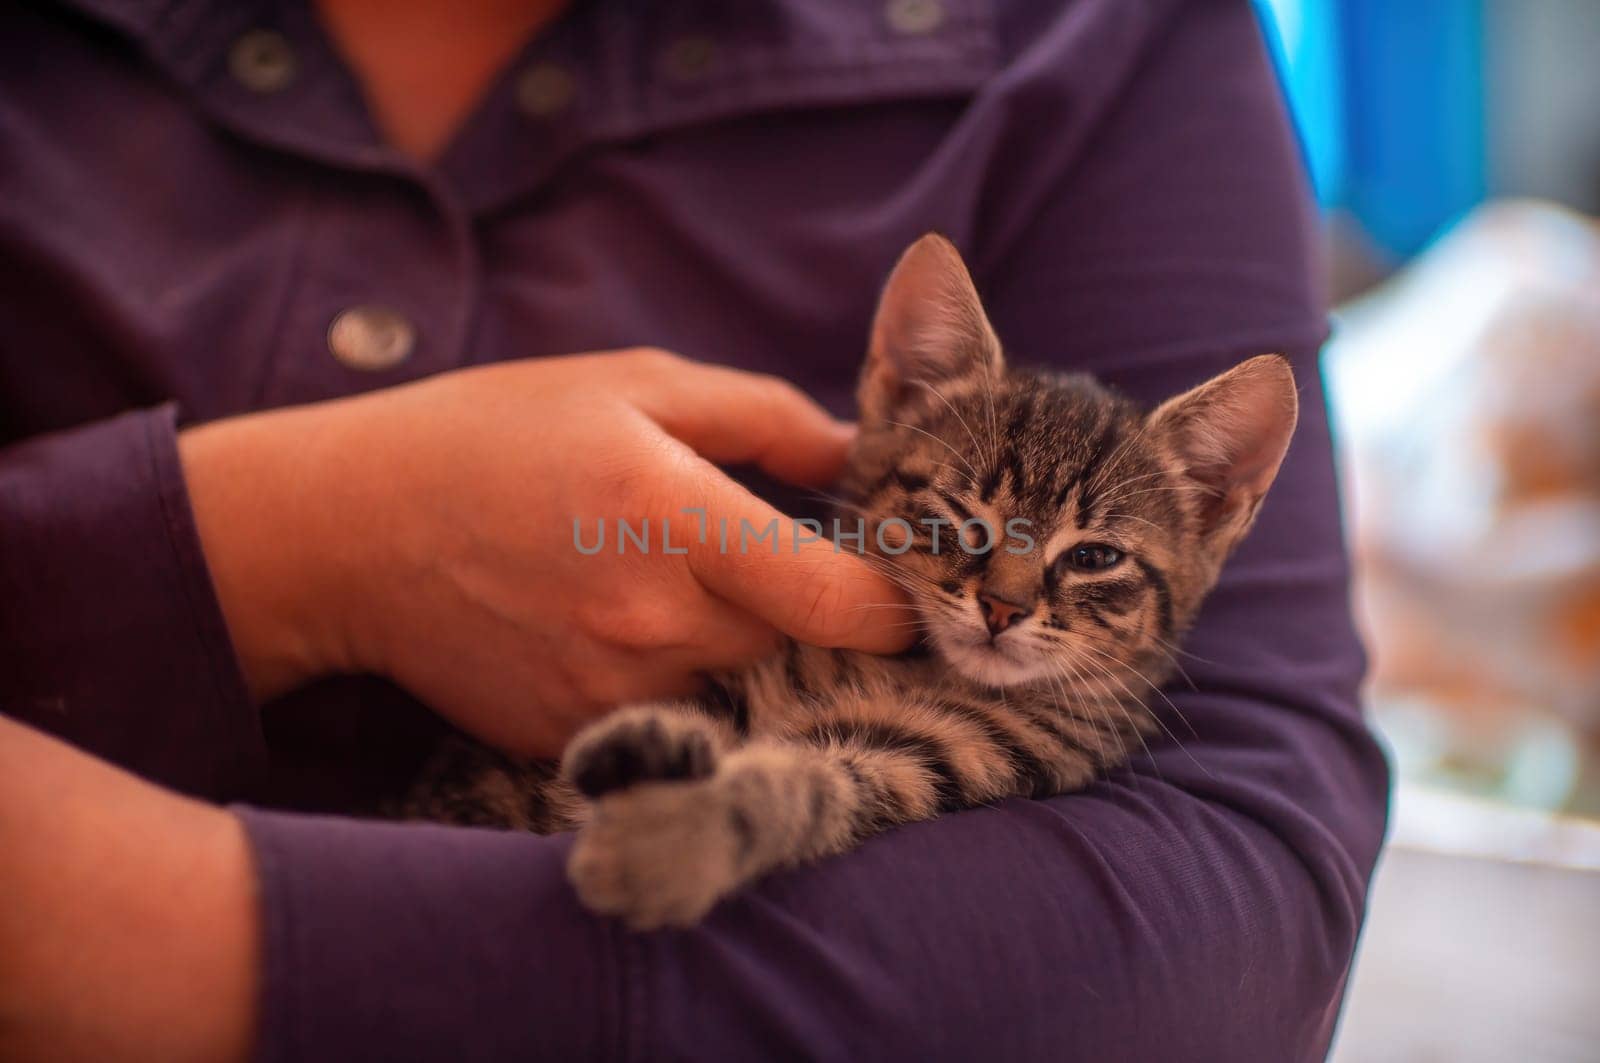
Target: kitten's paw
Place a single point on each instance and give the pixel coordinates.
(660, 854)
(641, 744)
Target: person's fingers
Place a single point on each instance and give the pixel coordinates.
(715, 637)
(640, 677)
(730, 416)
(722, 637)
(746, 552)
(620, 675)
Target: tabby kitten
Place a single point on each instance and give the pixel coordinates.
(1040, 647)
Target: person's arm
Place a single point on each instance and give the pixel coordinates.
(158, 585)
(110, 635)
(1203, 904)
(127, 914)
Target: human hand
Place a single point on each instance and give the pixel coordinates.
(426, 533)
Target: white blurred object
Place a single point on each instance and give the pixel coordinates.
(1480, 943)
(1466, 396)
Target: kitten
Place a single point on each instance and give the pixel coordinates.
(1040, 649)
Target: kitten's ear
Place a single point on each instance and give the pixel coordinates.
(930, 330)
(1230, 435)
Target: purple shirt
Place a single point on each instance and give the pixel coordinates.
(191, 192)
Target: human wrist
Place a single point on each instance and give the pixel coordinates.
(269, 494)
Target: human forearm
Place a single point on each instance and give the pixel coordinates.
(110, 636)
(127, 914)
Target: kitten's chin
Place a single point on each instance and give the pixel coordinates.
(992, 664)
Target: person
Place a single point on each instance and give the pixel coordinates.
(318, 325)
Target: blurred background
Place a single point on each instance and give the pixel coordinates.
(1455, 148)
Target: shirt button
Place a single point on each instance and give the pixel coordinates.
(690, 58)
(545, 90)
(914, 17)
(262, 61)
(371, 338)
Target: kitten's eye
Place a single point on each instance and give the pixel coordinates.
(1092, 557)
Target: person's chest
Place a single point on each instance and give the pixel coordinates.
(178, 234)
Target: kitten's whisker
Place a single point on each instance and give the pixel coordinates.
(895, 572)
(947, 467)
(899, 625)
(1123, 491)
(994, 421)
(943, 443)
(1088, 644)
(1096, 708)
(1128, 481)
(1062, 687)
(976, 448)
(835, 500)
(1055, 704)
(1180, 650)
(1148, 753)
(1178, 666)
(1162, 695)
(1133, 728)
(1193, 486)
(1138, 734)
(1108, 466)
(1087, 716)
(1131, 516)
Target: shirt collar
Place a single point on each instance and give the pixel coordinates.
(606, 70)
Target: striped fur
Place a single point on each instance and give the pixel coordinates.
(1034, 667)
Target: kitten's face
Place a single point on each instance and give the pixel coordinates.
(1058, 534)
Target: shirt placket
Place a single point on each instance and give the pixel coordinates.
(385, 275)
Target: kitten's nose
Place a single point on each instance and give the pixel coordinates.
(999, 613)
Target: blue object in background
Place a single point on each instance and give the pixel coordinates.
(1389, 101)
(1304, 38)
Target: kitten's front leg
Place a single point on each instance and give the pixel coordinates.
(663, 853)
(646, 851)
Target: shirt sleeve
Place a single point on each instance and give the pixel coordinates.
(110, 633)
(1202, 904)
